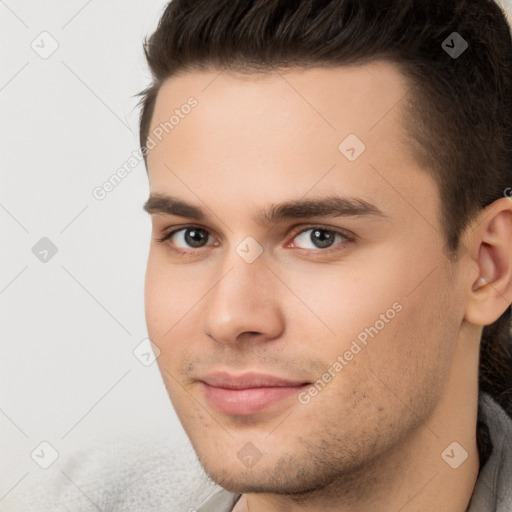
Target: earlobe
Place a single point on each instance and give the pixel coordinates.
(491, 291)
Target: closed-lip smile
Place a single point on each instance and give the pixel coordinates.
(247, 393)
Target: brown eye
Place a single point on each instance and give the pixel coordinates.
(189, 238)
(195, 237)
(320, 238)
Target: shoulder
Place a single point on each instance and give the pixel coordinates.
(126, 475)
(493, 489)
(220, 500)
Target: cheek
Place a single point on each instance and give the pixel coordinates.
(405, 335)
(344, 303)
(411, 358)
(163, 295)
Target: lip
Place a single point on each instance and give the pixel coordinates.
(248, 393)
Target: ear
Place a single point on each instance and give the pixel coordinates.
(489, 284)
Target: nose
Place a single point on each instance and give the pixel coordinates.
(243, 304)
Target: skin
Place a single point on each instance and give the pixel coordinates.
(371, 439)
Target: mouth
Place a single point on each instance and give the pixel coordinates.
(249, 393)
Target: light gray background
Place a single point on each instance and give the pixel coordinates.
(68, 122)
(68, 373)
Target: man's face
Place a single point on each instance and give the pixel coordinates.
(369, 289)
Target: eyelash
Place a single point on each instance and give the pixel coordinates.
(348, 238)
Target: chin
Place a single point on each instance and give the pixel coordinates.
(265, 479)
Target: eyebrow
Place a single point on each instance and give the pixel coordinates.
(330, 206)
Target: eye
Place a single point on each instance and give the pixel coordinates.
(320, 238)
(195, 237)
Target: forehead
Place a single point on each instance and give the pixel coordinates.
(355, 97)
(284, 132)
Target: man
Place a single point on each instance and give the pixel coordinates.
(332, 249)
